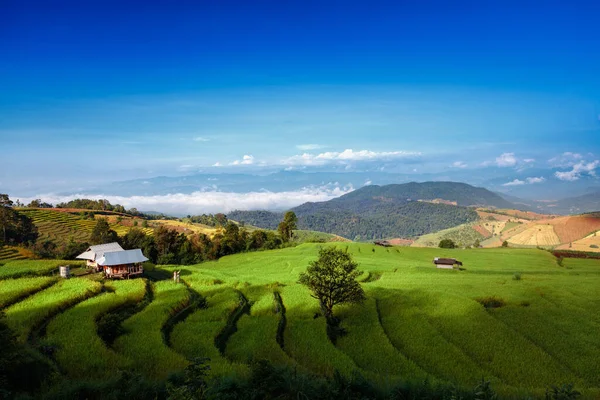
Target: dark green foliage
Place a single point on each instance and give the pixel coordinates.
(332, 280)
(37, 203)
(287, 226)
(209, 219)
(505, 244)
(491, 302)
(563, 392)
(517, 276)
(447, 244)
(484, 391)
(71, 249)
(45, 249)
(15, 228)
(102, 233)
(366, 216)
(194, 383)
(21, 368)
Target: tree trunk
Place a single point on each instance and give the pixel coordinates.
(327, 312)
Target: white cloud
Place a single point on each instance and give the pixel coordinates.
(217, 164)
(506, 160)
(566, 159)
(458, 164)
(530, 181)
(528, 160)
(246, 160)
(516, 182)
(185, 167)
(578, 169)
(305, 147)
(201, 139)
(368, 182)
(536, 179)
(346, 156)
(213, 201)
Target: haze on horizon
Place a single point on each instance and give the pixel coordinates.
(503, 95)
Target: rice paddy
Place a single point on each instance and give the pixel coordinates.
(417, 323)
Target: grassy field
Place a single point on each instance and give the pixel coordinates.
(418, 322)
(462, 235)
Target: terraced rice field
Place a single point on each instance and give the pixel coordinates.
(418, 322)
(58, 226)
(8, 253)
(536, 235)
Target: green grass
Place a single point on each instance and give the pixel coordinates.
(20, 268)
(257, 332)
(418, 321)
(144, 343)
(82, 354)
(462, 235)
(28, 314)
(195, 337)
(12, 290)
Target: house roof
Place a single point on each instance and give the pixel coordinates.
(97, 251)
(121, 257)
(445, 261)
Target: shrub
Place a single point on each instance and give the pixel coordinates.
(517, 276)
(594, 246)
(505, 244)
(447, 244)
(491, 302)
(565, 391)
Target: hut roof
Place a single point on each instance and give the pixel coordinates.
(446, 261)
(121, 257)
(97, 251)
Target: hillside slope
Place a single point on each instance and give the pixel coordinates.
(375, 212)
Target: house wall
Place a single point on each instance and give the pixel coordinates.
(445, 266)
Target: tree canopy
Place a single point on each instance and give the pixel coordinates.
(15, 228)
(447, 244)
(102, 233)
(288, 225)
(332, 279)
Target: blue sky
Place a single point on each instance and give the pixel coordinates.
(100, 91)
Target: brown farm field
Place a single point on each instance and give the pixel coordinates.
(572, 228)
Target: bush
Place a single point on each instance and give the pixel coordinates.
(564, 392)
(447, 244)
(491, 302)
(517, 276)
(594, 246)
(505, 244)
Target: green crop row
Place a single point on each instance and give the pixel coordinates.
(144, 343)
(81, 353)
(12, 290)
(19, 268)
(24, 316)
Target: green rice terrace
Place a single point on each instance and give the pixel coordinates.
(61, 225)
(516, 317)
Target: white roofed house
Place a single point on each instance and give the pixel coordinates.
(114, 261)
(93, 253)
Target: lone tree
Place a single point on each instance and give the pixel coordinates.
(287, 226)
(332, 280)
(102, 233)
(447, 244)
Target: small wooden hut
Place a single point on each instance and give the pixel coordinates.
(114, 261)
(122, 264)
(447, 263)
